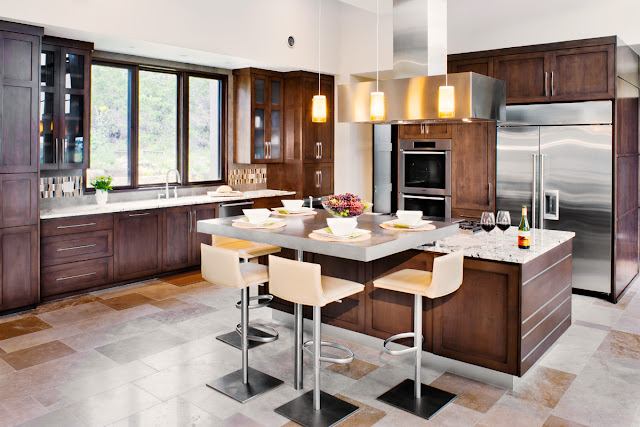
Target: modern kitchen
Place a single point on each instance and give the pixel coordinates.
(349, 213)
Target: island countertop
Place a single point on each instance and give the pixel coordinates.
(501, 247)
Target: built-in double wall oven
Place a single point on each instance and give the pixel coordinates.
(424, 171)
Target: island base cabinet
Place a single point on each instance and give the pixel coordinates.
(19, 266)
(138, 244)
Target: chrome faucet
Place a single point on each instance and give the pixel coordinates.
(175, 189)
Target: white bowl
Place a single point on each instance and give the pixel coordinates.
(409, 217)
(342, 226)
(257, 216)
(292, 205)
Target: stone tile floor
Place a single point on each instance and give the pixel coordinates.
(141, 355)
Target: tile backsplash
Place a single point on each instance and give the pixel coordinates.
(247, 176)
(60, 186)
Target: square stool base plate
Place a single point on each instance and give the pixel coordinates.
(432, 400)
(231, 385)
(332, 410)
(233, 339)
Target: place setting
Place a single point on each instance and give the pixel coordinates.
(258, 218)
(346, 208)
(293, 208)
(408, 221)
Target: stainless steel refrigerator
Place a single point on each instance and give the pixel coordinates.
(557, 160)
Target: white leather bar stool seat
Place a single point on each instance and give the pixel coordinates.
(222, 267)
(411, 395)
(303, 283)
(258, 333)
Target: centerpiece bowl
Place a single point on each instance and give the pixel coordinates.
(345, 205)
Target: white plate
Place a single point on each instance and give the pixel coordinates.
(397, 223)
(284, 210)
(267, 223)
(356, 233)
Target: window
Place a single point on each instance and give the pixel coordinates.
(145, 122)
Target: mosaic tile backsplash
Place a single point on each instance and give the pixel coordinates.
(247, 176)
(61, 186)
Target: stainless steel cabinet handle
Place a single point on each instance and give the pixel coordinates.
(228, 205)
(140, 214)
(320, 186)
(546, 84)
(73, 277)
(56, 159)
(421, 128)
(489, 194)
(190, 221)
(195, 220)
(404, 196)
(541, 192)
(426, 129)
(76, 225)
(422, 152)
(320, 148)
(75, 247)
(552, 83)
(534, 195)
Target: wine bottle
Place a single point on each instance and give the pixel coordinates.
(524, 231)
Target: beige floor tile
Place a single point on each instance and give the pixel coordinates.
(365, 417)
(554, 421)
(543, 386)
(115, 317)
(22, 409)
(183, 279)
(75, 313)
(355, 370)
(173, 413)
(42, 353)
(213, 402)
(139, 346)
(126, 301)
(112, 405)
(471, 394)
(624, 324)
(5, 368)
(161, 290)
(573, 349)
(618, 345)
(112, 333)
(59, 418)
(606, 316)
(126, 289)
(241, 420)
(36, 338)
(180, 354)
(65, 303)
(52, 399)
(21, 326)
(182, 313)
(510, 411)
(169, 303)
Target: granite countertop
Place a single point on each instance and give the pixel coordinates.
(94, 209)
(502, 248)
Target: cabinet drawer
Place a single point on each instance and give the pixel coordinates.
(76, 247)
(76, 224)
(75, 276)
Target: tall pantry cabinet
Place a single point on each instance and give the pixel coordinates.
(19, 130)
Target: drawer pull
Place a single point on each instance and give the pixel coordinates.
(76, 225)
(77, 275)
(140, 214)
(76, 247)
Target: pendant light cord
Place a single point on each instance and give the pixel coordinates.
(319, 14)
(377, 41)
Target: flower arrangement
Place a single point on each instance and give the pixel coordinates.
(346, 205)
(102, 183)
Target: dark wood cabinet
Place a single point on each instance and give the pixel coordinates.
(19, 265)
(317, 138)
(424, 130)
(318, 179)
(138, 244)
(526, 76)
(65, 97)
(583, 74)
(62, 279)
(201, 212)
(19, 199)
(473, 169)
(76, 247)
(258, 116)
(482, 66)
(176, 250)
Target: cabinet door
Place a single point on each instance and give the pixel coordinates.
(317, 138)
(259, 122)
(526, 76)
(424, 131)
(482, 66)
(275, 147)
(137, 244)
(49, 106)
(201, 213)
(473, 166)
(267, 119)
(19, 93)
(19, 264)
(318, 180)
(583, 74)
(19, 199)
(176, 249)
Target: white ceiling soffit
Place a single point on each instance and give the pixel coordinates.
(369, 5)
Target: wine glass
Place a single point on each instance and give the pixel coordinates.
(488, 223)
(503, 221)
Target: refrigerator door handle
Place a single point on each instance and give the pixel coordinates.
(534, 194)
(541, 193)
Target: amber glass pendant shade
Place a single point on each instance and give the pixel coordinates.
(319, 109)
(376, 107)
(446, 103)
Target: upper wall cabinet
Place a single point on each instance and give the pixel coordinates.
(65, 83)
(258, 116)
(526, 76)
(19, 99)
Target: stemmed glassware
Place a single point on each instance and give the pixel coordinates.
(488, 223)
(503, 221)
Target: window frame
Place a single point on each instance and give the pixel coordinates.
(182, 134)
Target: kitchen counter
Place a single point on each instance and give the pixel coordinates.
(94, 209)
(502, 248)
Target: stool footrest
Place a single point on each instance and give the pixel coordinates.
(270, 334)
(266, 297)
(306, 347)
(398, 337)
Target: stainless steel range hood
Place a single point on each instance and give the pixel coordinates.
(411, 97)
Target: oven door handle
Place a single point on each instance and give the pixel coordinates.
(404, 196)
(423, 152)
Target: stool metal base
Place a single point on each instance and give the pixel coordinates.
(231, 384)
(431, 402)
(333, 410)
(234, 339)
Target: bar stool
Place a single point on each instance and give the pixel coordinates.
(222, 266)
(411, 395)
(302, 283)
(258, 333)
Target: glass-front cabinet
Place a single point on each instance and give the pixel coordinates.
(65, 74)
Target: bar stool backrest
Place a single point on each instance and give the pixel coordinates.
(447, 275)
(221, 266)
(296, 281)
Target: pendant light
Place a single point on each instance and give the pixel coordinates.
(446, 103)
(319, 105)
(376, 100)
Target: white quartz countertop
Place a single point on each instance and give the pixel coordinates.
(94, 209)
(501, 247)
